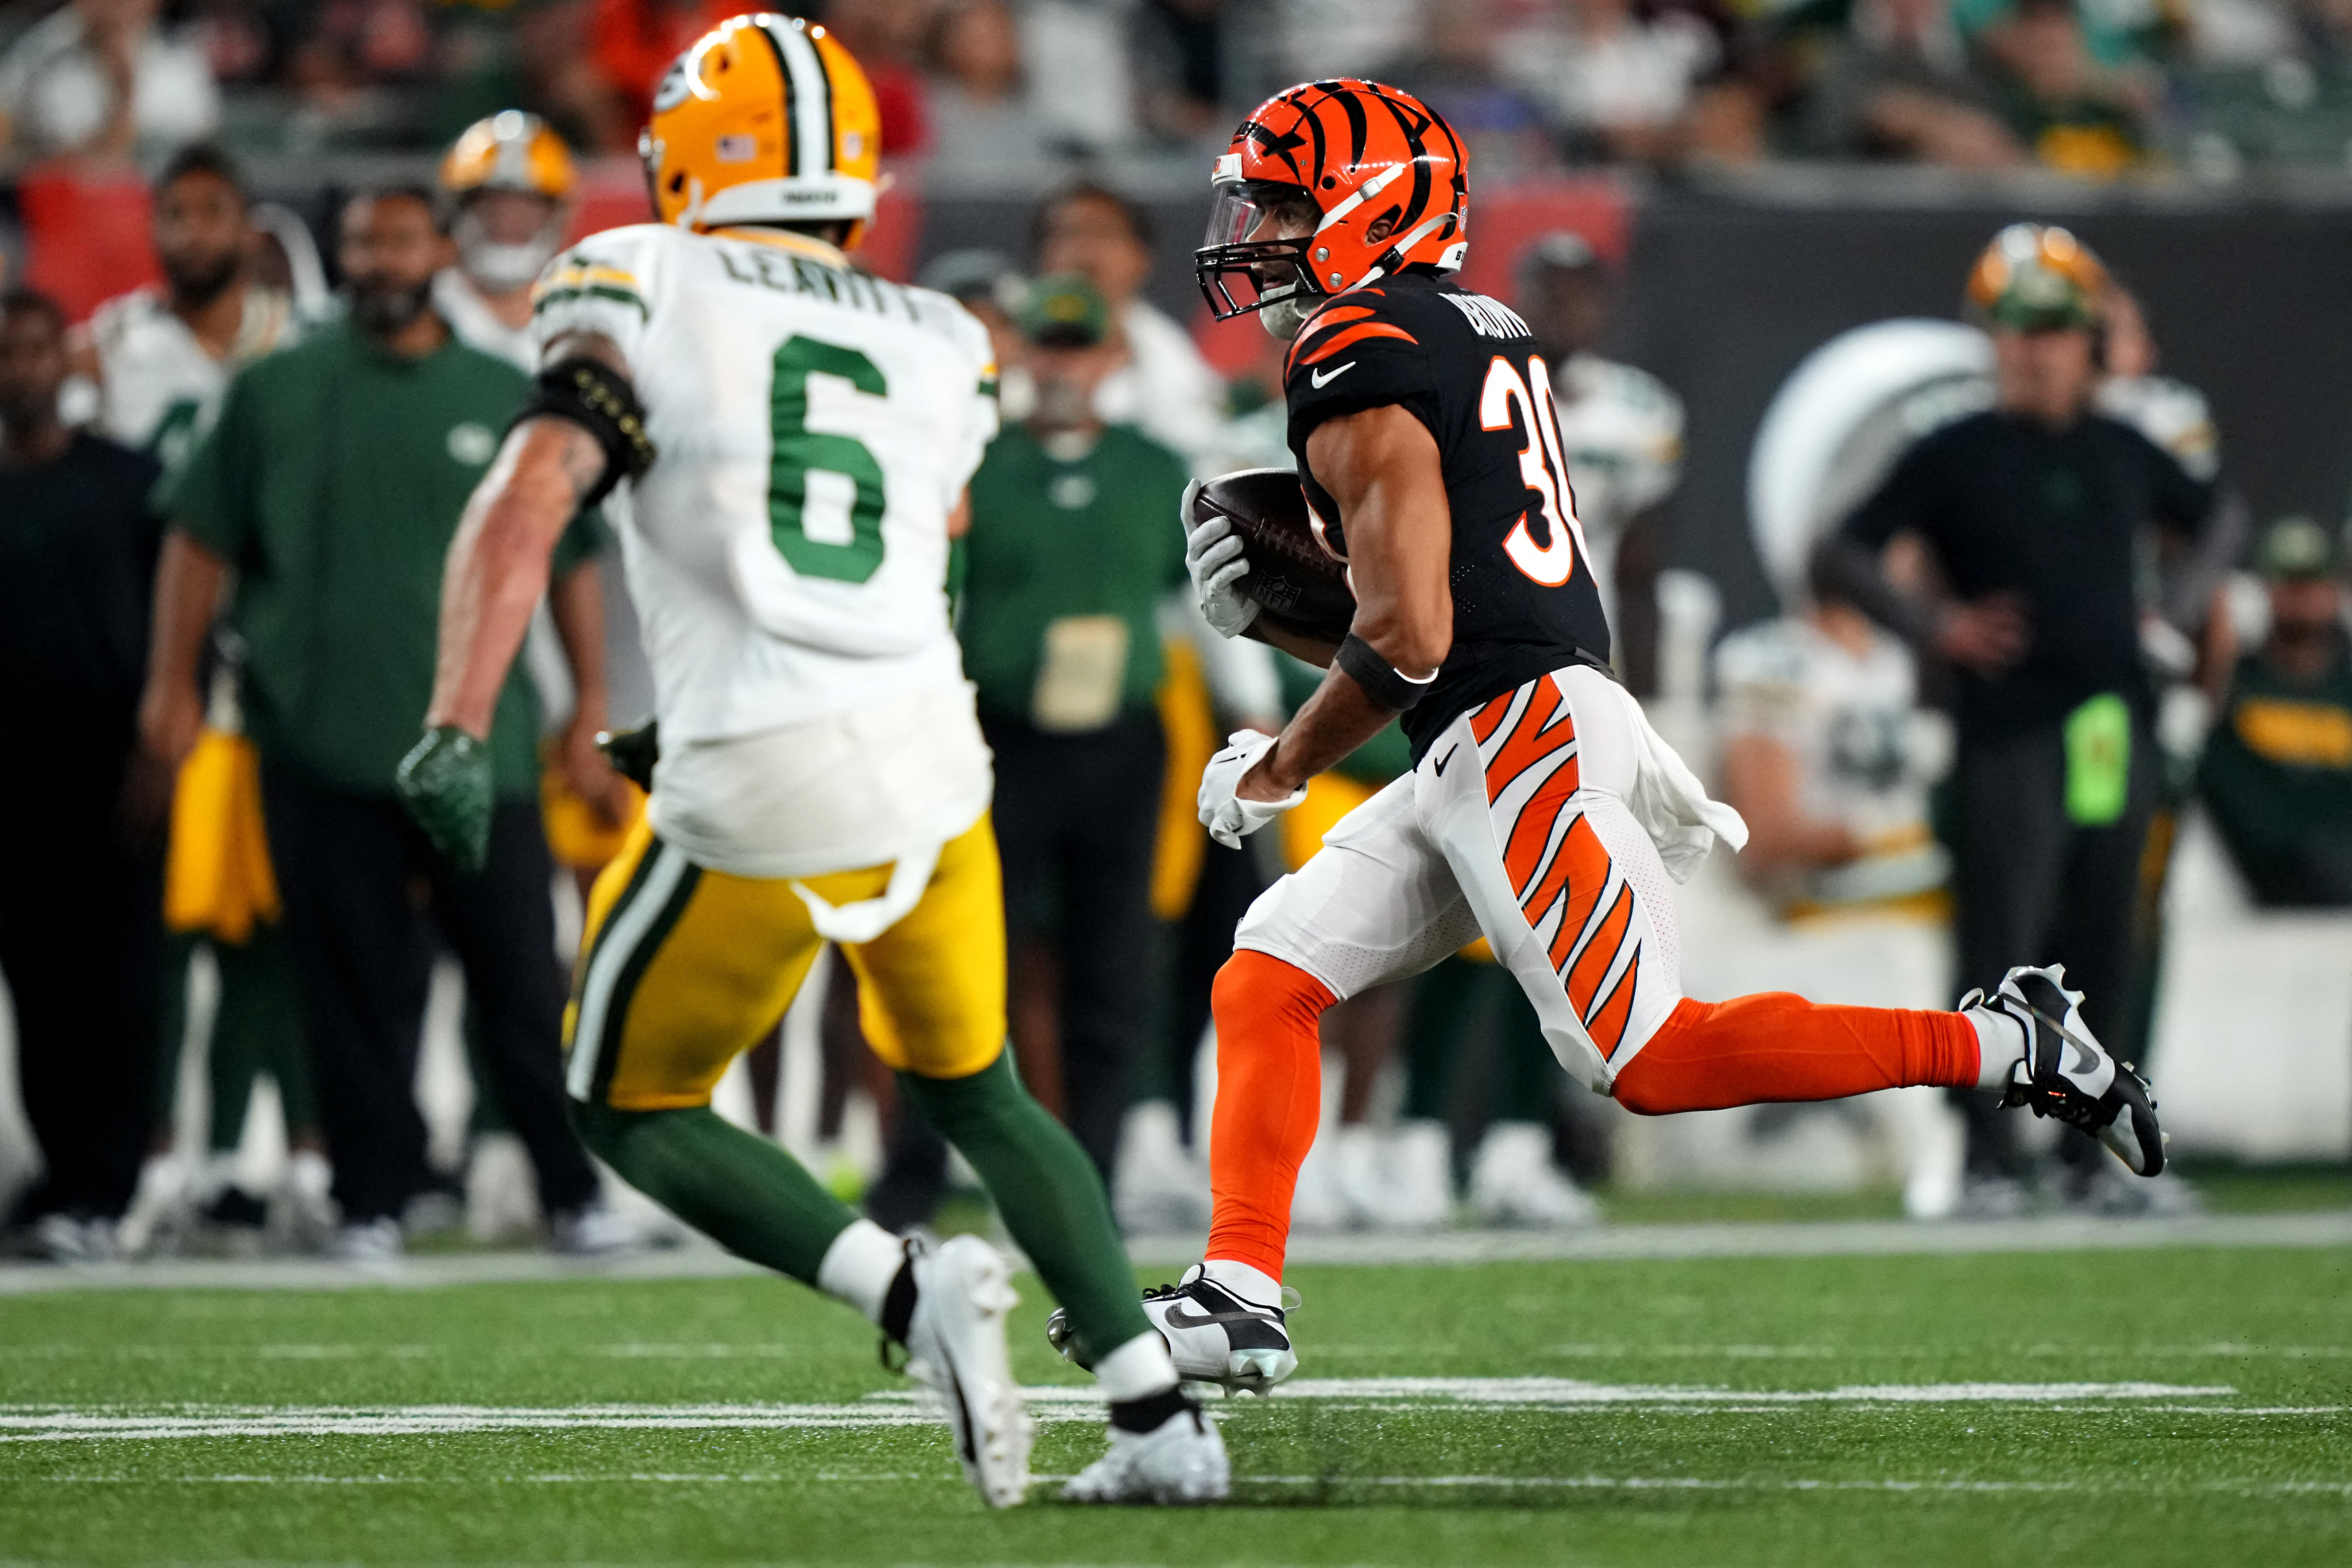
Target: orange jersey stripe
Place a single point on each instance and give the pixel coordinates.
(1357, 334)
(1607, 1024)
(1482, 727)
(1578, 874)
(1523, 853)
(1337, 316)
(1592, 966)
(1544, 728)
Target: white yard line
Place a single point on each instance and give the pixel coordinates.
(53, 1424)
(1336, 1483)
(1822, 1239)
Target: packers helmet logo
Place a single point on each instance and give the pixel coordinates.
(766, 118)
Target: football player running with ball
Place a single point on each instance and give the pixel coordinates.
(796, 437)
(1542, 812)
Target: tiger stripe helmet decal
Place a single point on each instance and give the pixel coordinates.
(767, 119)
(1387, 178)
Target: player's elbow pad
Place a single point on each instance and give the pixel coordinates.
(599, 399)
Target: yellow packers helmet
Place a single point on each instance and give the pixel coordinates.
(510, 151)
(2034, 278)
(766, 118)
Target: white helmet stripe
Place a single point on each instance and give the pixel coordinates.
(812, 96)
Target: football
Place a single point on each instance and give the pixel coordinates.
(1292, 578)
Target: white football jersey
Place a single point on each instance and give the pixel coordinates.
(1864, 754)
(160, 389)
(1620, 431)
(787, 552)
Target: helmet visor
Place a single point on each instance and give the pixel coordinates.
(1255, 252)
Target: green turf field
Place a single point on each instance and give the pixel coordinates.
(1850, 1410)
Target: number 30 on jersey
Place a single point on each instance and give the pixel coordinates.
(1540, 467)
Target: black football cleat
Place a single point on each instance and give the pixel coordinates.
(1214, 1335)
(2068, 1075)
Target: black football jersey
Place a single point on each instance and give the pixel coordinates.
(1525, 601)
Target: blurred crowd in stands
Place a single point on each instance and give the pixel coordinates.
(990, 91)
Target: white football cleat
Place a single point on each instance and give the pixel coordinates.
(1514, 1182)
(955, 1347)
(1182, 1461)
(2067, 1074)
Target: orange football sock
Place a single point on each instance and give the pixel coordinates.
(1269, 1098)
(1778, 1046)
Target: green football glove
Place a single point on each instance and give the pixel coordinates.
(444, 783)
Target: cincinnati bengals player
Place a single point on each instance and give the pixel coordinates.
(1542, 811)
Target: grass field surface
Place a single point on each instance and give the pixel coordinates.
(2189, 1406)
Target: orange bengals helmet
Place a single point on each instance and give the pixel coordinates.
(767, 119)
(1366, 179)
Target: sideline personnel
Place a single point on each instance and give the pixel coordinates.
(81, 889)
(2035, 510)
(332, 483)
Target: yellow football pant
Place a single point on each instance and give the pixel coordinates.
(682, 968)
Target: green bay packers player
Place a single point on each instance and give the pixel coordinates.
(510, 178)
(797, 437)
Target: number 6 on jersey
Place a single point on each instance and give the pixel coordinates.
(825, 497)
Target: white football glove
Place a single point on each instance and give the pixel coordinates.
(1227, 816)
(1212, 554)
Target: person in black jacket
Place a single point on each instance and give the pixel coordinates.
(81, 887)
(2036, 513)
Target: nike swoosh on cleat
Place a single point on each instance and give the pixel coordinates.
(1321, 379)
(2090, 1056)
(1181, 1319)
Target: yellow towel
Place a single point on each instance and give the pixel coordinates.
(218, 876)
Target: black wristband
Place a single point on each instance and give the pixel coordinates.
(1379, 679)
(600, 400)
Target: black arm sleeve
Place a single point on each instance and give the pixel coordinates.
(600, 400)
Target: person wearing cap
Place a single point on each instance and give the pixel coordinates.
(2277, 770)
(2037, 513)
(1158, 381)
(1070, 554)
(510, 180)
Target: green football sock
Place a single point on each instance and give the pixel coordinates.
(736, 1188)
(1047, 1191)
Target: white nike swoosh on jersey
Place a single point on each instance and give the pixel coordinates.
(1324, 378)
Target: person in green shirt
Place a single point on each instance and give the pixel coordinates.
(332, 486)
(2277, 772)
(1075, 543)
